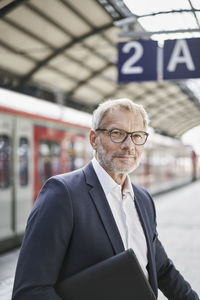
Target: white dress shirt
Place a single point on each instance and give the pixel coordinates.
(124, 211)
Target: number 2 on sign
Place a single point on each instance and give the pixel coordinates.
(128, 66)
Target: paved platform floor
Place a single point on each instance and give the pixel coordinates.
(8, 263)
(178, 215)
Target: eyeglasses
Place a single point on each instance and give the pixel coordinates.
(139, 138)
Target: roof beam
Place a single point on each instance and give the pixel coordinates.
(58, 71)
(95, 73)
(56, 51)
(113, 95)
(79, 15)
(189, 126)
(77, 104)
(11, 6)
(168, 12)
(194, 13)
(11, 49)
(41, 64)
(65, 31)
(117, 9)
(184, 125)
(181, 124)
(84, 19)
(136, 34)
(67, 76)
(61, 50)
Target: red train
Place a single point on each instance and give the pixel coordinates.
(39, 139)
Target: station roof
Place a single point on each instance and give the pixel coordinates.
(67, 48)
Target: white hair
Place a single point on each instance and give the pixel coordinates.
(123, 103)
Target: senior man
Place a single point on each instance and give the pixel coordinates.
(91, 214)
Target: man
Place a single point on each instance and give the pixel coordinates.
(86, 216)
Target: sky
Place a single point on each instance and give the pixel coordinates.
(192, 137)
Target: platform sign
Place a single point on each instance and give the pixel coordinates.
(181, 59)
(137, 61)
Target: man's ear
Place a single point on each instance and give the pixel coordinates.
(93, 139)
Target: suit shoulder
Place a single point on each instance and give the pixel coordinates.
(68, 179)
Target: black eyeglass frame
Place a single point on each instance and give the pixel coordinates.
(127, 134)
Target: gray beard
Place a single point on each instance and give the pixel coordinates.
(109, 164)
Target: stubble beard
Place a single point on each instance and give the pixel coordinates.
(107, 161)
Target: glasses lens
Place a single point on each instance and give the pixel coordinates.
(117, 136)
(139, 138)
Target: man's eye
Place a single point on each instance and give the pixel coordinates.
(117, 133)
(138, 138)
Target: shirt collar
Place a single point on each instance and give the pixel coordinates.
(107, 183)
(128, 187)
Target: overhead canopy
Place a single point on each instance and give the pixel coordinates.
(65, 51)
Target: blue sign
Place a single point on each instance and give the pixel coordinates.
(181, 59)
(137, 61)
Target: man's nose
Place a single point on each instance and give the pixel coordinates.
(128, 143)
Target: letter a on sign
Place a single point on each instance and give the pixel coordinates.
(177, 58)
(182, 59)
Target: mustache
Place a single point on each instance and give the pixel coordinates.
(125, 153)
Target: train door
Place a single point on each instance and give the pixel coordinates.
(23, 172)
(78, 151)
(58, 151)
(6, 183)
(47, 154)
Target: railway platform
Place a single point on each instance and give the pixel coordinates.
(179, 230)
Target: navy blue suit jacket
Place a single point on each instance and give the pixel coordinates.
(71, 227)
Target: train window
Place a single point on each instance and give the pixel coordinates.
(76, 151)
(5, 161)
(23, 155)
(79, 149)
(50, 159)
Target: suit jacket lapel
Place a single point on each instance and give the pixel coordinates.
(98, 197)
(146, 227)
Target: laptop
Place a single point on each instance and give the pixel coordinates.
(119, 277)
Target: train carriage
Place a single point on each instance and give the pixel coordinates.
(37, 140)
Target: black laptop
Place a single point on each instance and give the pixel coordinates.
(119, 277)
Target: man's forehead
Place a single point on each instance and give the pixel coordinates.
(120, 115)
